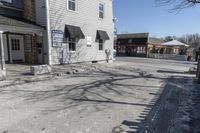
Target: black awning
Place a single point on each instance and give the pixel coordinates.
(73, 32)
(102, 35)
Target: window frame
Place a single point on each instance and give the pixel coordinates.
(71, 43)
(15, 45)
(100, 43)
(76, 5)
(99, 11)
(130, 41)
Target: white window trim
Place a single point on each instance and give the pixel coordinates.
(104, 15)
(76, 7)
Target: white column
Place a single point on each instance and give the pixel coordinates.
(48, 29)
(2, 58)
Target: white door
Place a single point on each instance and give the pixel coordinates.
(16, 48)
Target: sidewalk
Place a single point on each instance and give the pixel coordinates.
(20, 73)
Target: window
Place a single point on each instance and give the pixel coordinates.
(72, 5)
(100, 45)
(129, 40)
(101, 10)
(72, 44)
(144, 50)
(15, 45)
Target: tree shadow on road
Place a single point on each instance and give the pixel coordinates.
(158, 117)
(108, 87)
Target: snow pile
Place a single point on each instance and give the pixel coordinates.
(187, 117)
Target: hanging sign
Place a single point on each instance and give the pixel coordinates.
(89, 41)
(57, 37)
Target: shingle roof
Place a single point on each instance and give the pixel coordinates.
(174, 43)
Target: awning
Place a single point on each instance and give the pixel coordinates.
(102, 35)
(73, 32)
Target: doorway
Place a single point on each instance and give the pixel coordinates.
(16, 47)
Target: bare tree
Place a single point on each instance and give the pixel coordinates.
(169, 38)
(178, 4)
(191, 39)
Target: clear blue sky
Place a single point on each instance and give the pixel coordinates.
(144, 16)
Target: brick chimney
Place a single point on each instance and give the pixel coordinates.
(29, 10)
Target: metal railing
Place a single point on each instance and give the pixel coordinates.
(168, 56)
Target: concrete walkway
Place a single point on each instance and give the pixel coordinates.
(20, 73)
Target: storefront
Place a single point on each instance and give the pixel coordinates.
(132, 45)
(22, 41)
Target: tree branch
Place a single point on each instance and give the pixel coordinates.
(178, 4)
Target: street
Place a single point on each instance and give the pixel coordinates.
(128, 96)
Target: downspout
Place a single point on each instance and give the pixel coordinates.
(48, 29)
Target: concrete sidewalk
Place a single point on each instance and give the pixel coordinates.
(20, 73)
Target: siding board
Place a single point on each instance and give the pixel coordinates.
(87, 19)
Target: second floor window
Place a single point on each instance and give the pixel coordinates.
(72, 5)
(72, 44)
(101, 10)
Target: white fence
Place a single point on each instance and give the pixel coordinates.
(169, 56)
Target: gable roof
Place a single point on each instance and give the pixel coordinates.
(174, 43)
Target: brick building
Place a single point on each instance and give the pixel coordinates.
(20, 34)
(132, 45)
(136, 45)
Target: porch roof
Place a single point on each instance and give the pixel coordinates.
(10, 24)
(174, 43)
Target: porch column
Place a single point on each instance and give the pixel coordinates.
(2, 58)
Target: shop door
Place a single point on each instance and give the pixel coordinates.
(16, 48)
